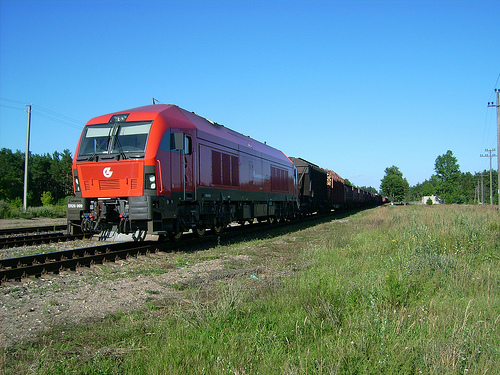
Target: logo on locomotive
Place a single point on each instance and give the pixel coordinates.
(107, 172)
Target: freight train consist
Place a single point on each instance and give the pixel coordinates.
(163, 170)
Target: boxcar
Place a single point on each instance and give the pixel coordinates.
(313, 186)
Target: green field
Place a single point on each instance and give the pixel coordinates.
(391, 290)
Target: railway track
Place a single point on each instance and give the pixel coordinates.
(34, 239)
(39, 264)
(46, 228)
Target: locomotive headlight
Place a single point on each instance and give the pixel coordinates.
(150, 181)
(119, 118)
(77, 184)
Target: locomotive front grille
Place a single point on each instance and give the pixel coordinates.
(109, 184)
(133, 183)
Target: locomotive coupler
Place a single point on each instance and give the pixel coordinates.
(125, 225)
(89, 224)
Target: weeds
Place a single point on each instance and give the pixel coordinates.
(391, 290)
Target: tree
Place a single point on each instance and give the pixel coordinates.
(394, 185)
(446, 167)
(448, 176)
(12, 175)
(46, 173)
(369, 188)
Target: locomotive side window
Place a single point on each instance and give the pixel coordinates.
(181, 143)
(177, 142)
(188, 145)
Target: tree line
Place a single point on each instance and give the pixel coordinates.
(448, 183)
(50, 180)
(49, 177)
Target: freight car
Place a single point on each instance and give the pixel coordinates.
(163, 170)
(322, 190)
(313, 188)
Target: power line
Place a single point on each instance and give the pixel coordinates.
(39, 111)
(8, 106)
(61, 121)
(12, 101)
(52, 113)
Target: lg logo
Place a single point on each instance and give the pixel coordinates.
(107, 172)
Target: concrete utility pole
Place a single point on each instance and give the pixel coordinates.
(26, 156)
(482, 189)
(491, 175)
(498, 138)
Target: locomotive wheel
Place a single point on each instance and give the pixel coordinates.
(199, 231)
(218, 229)
(176, 235)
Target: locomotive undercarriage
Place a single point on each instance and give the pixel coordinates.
(171, 216)
(200, 215)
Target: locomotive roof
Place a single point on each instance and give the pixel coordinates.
(179, 118)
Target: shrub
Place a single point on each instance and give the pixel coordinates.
(47, 198)
(4, 210)
(47, 211)
(63, 201)
(17, 202)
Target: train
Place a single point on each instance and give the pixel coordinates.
(162, 170)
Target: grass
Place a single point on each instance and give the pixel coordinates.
(12, 212)
(391, 290)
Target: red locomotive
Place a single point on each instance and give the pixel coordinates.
(163, 170)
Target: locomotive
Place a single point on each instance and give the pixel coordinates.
(162, 170)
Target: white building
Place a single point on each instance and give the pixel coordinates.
(433, 198)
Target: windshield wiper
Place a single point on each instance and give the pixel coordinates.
(120, 149)
(93, 156)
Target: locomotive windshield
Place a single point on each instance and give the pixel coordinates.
(114, 140)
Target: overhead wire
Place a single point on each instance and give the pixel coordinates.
(8, 106)
(38, 110)
(54, 116)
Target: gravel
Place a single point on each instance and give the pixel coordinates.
(30, 307)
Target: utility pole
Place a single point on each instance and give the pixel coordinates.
(482, 188)
(26, 156)
(498, 138)
(491, 176)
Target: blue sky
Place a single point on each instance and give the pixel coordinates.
(353, 86)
